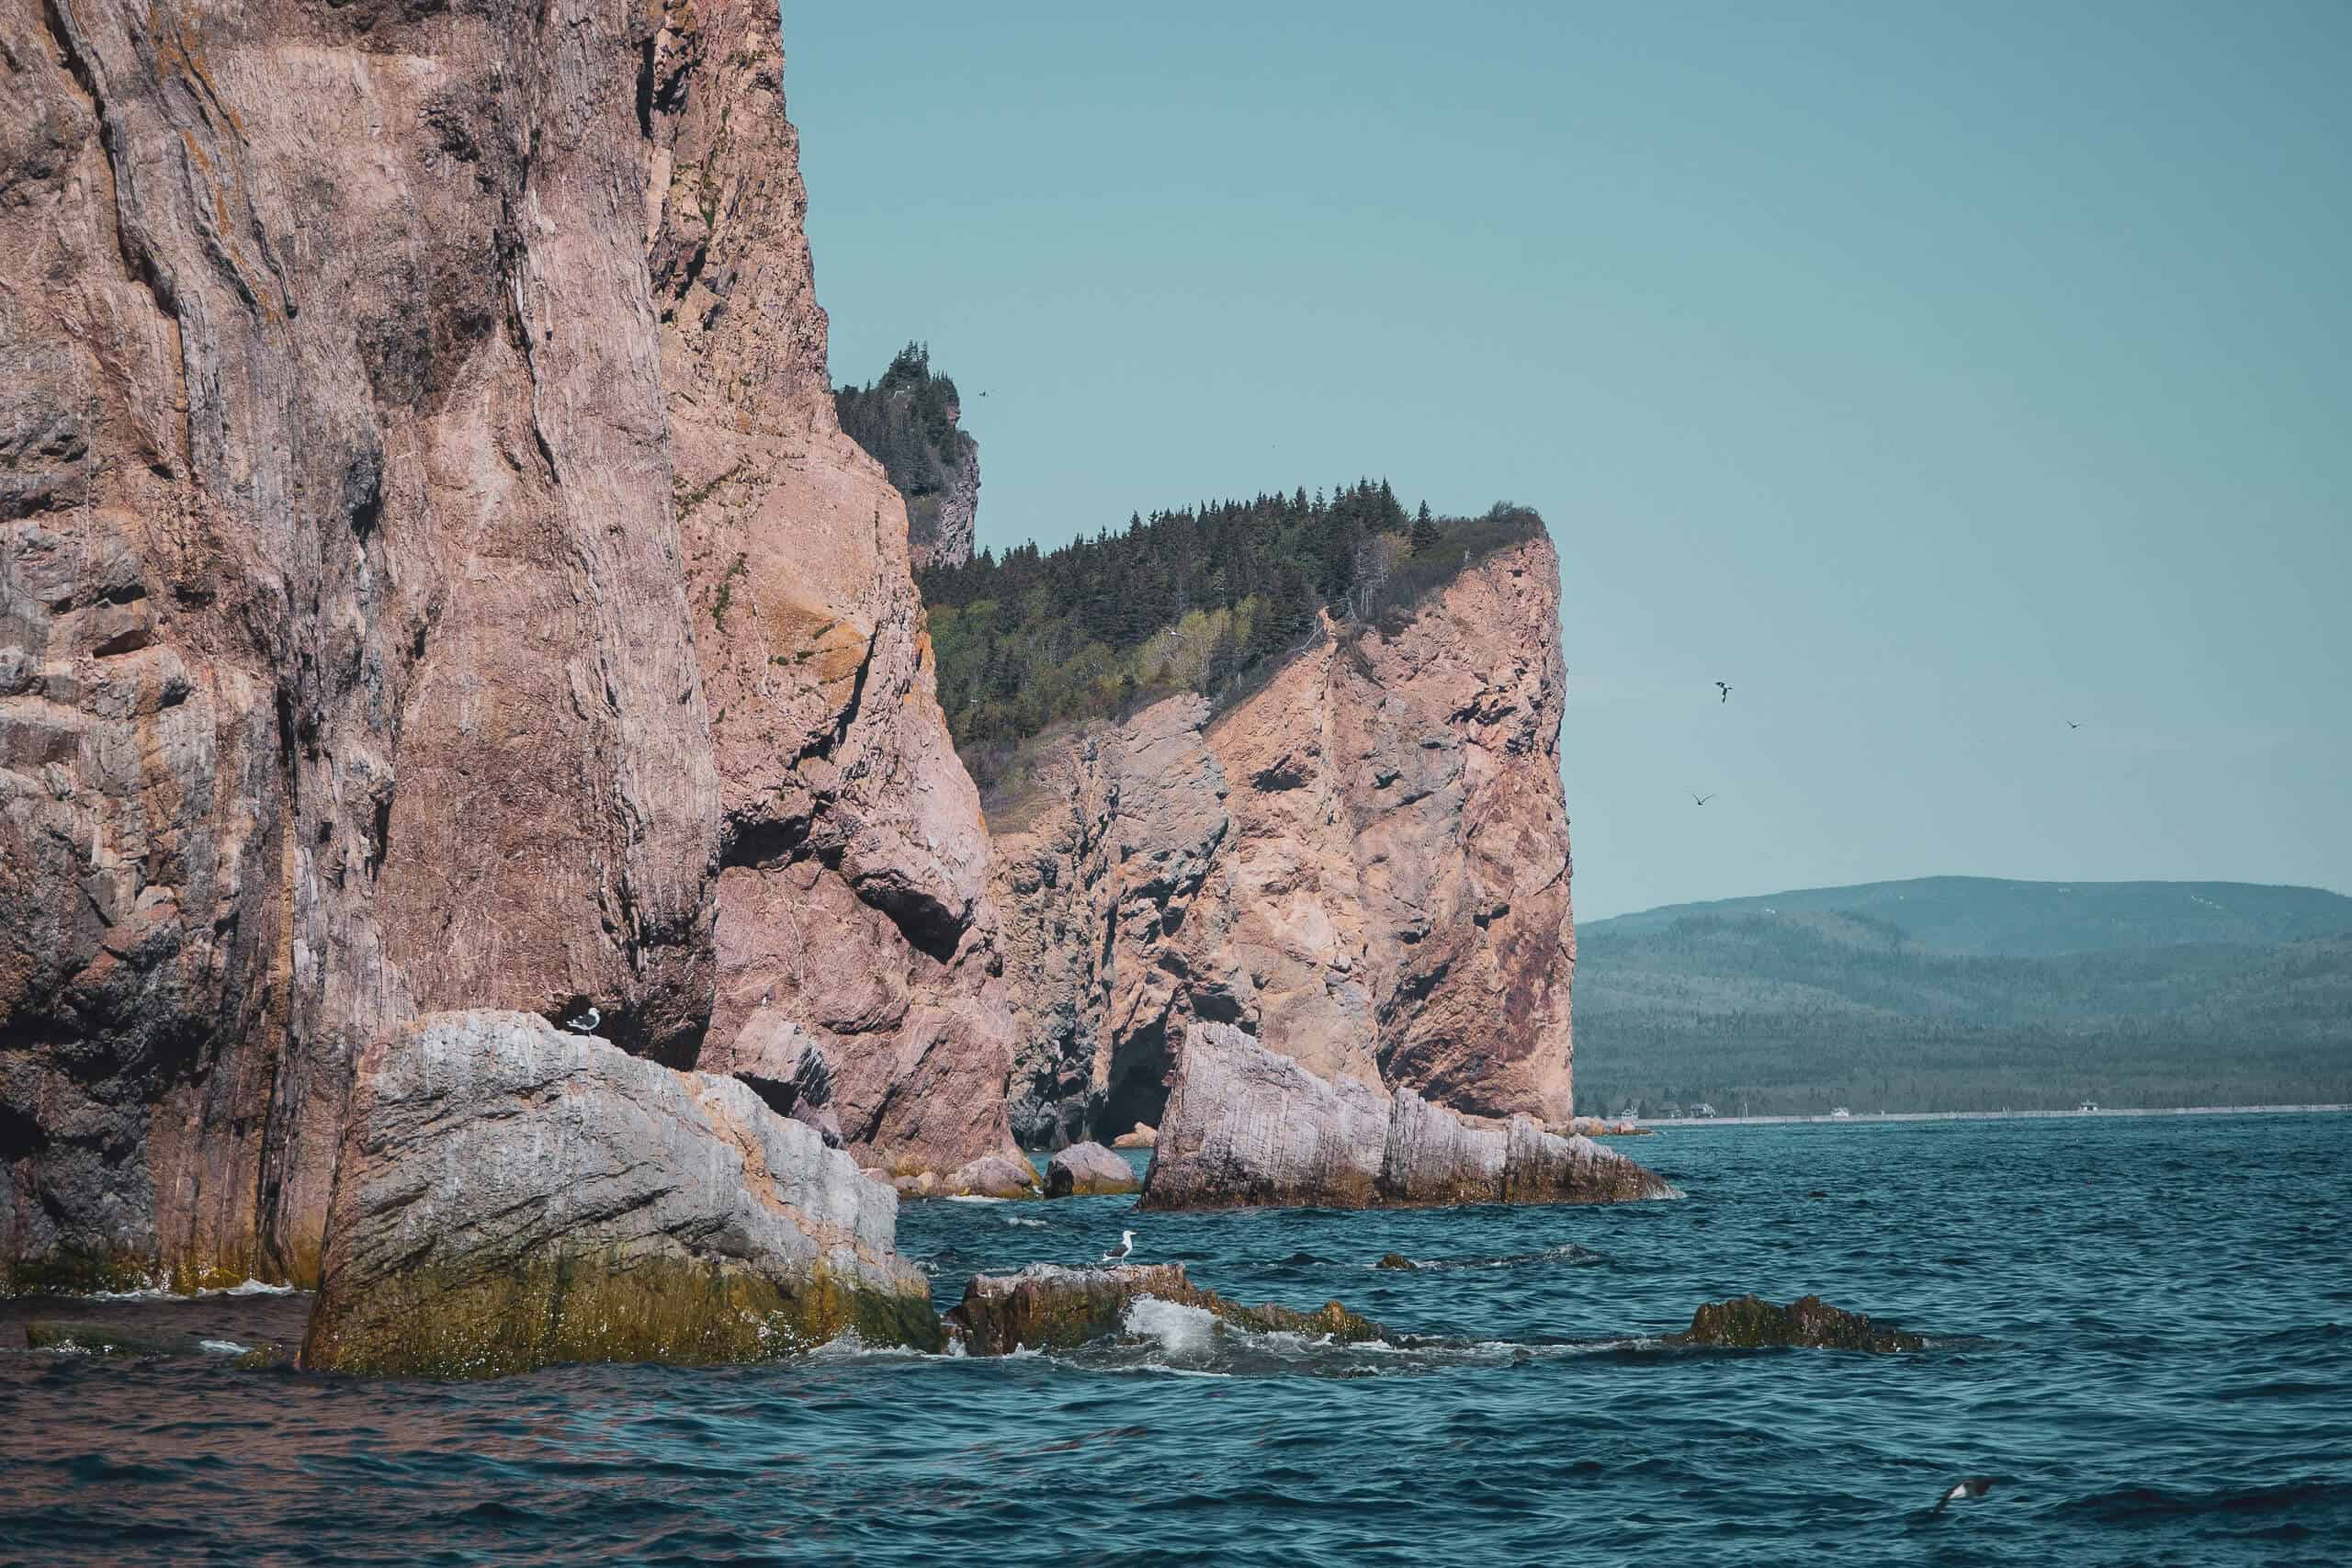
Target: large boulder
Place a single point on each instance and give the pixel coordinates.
(1747, 1322)
(511, 1196)
(1246, 1127)
(990, 1176)
(1048, 1307)
(1143, 1135)
(1085, 1170)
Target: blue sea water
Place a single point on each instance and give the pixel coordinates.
(2139, 1324)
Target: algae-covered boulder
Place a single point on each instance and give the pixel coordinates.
(1246, 1125)
(76, 1337)
(1747, 1322)
(1048, 1307)
(1088, 1169)
(1395, 1261)
(510, 1196)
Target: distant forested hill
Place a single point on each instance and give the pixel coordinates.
(1962, 993)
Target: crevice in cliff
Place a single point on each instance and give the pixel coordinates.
(827, 744)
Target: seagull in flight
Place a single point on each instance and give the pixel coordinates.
(1126, 1244)
(1702, 799)
(1974, 1486)
(2072, 725)
(1724, 690)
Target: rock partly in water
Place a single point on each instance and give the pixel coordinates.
(1143, 1135)
(1085, 1170)
(1048, 1307)
(990, 1176)
(1747, 1322)
(510, 1196)
(1395, 1261)
(1247, 1127)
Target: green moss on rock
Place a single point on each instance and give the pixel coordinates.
(1750, 1322)
(599, 1306)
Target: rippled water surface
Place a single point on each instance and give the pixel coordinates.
(2139, 1327)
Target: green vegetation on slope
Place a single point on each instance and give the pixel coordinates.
(907, 422)
(1801, 1010)
(1207, 599)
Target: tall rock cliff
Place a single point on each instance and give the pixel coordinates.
(432, 577)
(1364, 863)
(910, 422)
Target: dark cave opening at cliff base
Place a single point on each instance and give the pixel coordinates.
(1140, 1069)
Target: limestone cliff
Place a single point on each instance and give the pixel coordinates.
(432, 577)
(1364, 863)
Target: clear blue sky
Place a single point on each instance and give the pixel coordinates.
(1935, 375)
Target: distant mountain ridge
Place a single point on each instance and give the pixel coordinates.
(1970, 993)
(1986, 915)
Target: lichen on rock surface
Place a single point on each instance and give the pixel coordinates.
(510, 1196)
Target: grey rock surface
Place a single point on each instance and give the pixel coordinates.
(1247, 1127)
(510, 1195)
(1086, 1170)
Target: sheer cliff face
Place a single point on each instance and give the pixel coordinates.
(431, 578)
(1365, 864)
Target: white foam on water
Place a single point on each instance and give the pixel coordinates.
(160, 1293)
(975, 1198)
(223, 1347)
(1182, 1330)
(1017, 1220)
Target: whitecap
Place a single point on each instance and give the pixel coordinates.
(975, 1198)
(1182, 1330)
(223, 1347)
(1017, 1220)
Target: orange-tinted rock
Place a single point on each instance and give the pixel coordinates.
(435, 581)
(1365, 863)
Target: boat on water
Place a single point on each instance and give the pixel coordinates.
(1839, 1114)
(2087, 1108)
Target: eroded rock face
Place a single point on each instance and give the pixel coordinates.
(512, 1196)
(1246, 1127)
(431, 578)
(1365, 864)
(1048, 1307)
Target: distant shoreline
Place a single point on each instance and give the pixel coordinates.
(1980, 1115)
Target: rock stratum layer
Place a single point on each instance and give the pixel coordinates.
(431, 577)
(1364, 863)
(1247, 1127)
(510, 1196)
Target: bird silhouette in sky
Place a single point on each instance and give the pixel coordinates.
(1702, 799)
(2072, 725)
(1724, 690)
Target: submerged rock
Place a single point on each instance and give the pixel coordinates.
(1395, 1261)
(1749, 1322)
(79, 1338)
(1088, 1169)
(510, 1197)
(1142, 1136)
(1048, 1307)
(1248, 1126)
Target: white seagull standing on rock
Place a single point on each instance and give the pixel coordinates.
(1126, 1244)
(585, 1024)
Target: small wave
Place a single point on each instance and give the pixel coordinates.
(1567, 1252)
(977, 1197)
(1017, 1220)
(223, 1346)
(163, 1294)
